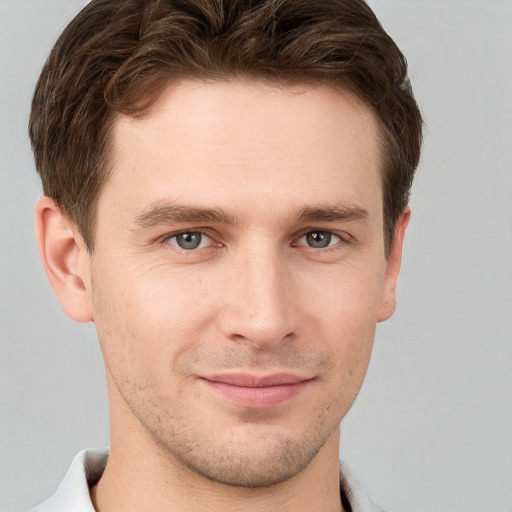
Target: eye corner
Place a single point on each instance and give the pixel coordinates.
(189, 240)
(321, 239)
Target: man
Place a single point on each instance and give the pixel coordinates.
(225, 197)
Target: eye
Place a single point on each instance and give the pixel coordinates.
(190, 240)
(319, 239)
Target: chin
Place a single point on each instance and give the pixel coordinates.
(253, 462)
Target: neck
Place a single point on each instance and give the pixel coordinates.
(141, 478)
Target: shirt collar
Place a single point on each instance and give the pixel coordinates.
(72, 495)
(354, 492)
(87, 467)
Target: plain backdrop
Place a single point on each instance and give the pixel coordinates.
(432, 427)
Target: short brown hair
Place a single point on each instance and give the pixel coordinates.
(116, 56)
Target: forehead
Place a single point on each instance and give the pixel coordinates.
(246, 141)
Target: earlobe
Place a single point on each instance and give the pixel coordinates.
(388, 297)
(65, 259)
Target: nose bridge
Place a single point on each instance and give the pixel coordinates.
(259, 306)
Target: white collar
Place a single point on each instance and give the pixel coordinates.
(72, 495)
(87, 467)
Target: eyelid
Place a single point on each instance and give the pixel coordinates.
(202, 231)
(343, 236)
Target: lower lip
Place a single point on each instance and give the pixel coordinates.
(258, 398)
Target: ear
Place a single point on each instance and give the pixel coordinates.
(388, 297)
(65, 259)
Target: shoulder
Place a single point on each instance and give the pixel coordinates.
(72, 495)
(354, 493)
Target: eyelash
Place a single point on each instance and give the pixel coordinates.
(322, 232)
(167, 239)
(343, 239)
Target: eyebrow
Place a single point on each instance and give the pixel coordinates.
(165, 213)
(332, 214)
(169, 213)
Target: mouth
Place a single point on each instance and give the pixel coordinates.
(255, 391)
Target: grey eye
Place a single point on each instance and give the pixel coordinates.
(189, 240)
(320, 239)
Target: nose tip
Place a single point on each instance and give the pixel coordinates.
(252, 329)
(259, 307)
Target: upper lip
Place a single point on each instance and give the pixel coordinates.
(248, 380)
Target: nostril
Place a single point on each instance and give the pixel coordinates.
(252, 329)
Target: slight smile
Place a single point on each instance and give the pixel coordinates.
(257, 392)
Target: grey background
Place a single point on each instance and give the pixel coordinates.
(432, 427)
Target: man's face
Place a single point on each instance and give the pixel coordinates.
(238, 274)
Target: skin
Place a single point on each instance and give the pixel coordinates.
(262, 177)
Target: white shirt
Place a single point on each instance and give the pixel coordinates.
(87, 467)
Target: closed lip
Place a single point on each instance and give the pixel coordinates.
(253, 391)
(247, 380)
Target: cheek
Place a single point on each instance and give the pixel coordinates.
(343, 316)
(148, 318)
(345, 298)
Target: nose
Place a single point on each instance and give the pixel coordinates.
(259, 306)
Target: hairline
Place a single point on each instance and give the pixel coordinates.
(149, 100)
